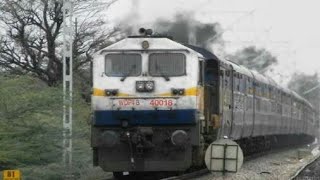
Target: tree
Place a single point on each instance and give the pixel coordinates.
(302, 83)
(251, 57)
(32, 42)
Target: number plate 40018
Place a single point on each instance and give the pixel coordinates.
(144, 102)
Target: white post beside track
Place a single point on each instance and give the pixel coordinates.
(67, 84)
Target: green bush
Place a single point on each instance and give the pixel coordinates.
(31, 129)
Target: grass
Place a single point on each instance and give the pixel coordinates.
(31, 131)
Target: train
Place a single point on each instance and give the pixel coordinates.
(157, 104)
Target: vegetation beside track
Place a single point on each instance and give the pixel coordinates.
(31, 130)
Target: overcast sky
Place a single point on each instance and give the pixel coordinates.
(288, 28)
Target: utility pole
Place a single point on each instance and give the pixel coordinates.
(67, 86)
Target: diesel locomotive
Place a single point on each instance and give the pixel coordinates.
(157, 104)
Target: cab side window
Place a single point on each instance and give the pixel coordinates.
(211, 73)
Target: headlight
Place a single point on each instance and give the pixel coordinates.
(145, 86)
(149, 86)
(140, 86)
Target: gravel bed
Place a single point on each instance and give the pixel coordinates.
(279, 165)
(312, 171)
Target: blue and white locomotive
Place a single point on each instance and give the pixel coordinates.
(157, 105)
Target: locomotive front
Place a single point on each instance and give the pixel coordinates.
(145, 105)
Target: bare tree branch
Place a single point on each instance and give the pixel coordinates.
(33, 41)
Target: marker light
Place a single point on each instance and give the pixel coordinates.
(174, 91)
(181, 92)
(177, 91)
(111, 92)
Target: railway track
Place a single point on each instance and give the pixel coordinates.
(298, 175)
(203, 172)
(189, 175)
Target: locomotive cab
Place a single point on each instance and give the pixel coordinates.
(145, 104)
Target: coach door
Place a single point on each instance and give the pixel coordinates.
(211, 95)
(226, 99)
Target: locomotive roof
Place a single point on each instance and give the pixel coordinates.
(207, 55)
(134, 44)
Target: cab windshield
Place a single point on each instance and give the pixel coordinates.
(123, 65)
(167, 64)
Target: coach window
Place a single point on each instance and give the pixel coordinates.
(242, 83)
(271, 94)
(256, 88)
(236, 86)
(249, 86)
(263, 90)
(239, 85)
(118, 65)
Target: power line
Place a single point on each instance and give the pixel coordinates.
(229, 27)
(312, 89)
